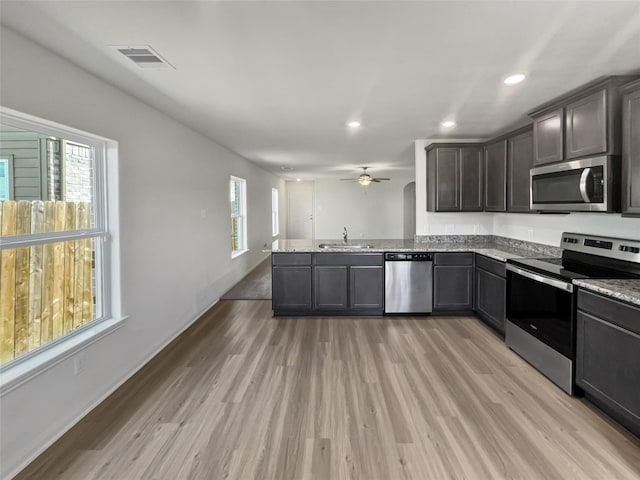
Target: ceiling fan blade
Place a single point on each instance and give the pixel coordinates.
(348, 179)
(377, 179)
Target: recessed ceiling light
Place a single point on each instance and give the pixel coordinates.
(448, 124)
(354, 124)
(514, 79)
(298, 179)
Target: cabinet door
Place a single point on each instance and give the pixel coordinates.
(520, 162)
(291, 288)
(631, 153)
(491, 298)
(586, 123)
(495, 175)
(548, 140)
(447, 179)
(366, 288)
(608, 368)
(453, 287)
(330, 287)
(471, 179)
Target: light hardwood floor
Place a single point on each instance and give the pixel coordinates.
(245, 396)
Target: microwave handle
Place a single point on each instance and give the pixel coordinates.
(584, 178)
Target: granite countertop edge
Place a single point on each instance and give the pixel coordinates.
(627, 290)
(491, 250)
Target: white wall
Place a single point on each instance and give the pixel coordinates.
(539, 228)
(375, 211)
(175, 235)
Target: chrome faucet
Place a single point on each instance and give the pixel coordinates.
(344, 236)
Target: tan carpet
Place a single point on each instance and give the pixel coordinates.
(255, 286)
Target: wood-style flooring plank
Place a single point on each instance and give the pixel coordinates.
(241, 395)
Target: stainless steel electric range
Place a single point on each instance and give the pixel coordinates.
(541, 299)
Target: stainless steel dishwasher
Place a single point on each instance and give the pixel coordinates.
(408, 286)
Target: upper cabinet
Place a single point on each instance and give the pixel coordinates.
(454, 178)
(581, 123)
(520, 161)
(631, 149)
(586, 123)
(495, 174)
(548, 134)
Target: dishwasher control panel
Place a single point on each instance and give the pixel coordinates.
(408, 257)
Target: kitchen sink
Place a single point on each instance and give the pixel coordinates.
(345, 245)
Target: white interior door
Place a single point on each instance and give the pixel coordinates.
(300, 210)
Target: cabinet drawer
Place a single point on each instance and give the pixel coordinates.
(291, 259)
(618, 313)
(490, 265)
(453, 258)
(347, 259)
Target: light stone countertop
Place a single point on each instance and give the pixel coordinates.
(627, 290)
(491, 250)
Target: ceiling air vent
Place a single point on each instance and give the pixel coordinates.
(143, 55)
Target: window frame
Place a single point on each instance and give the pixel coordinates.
(275, 212)
(242, 208)
(20, 369)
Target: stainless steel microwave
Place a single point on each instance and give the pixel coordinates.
(590, 184)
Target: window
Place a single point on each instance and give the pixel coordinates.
(6, 177)
(238, 189)
(275, 229)
(53, 250)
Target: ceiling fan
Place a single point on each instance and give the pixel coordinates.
(365, 179)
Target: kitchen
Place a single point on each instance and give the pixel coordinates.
(147, 230)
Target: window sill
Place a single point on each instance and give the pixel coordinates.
(238, 253)
(17, 375)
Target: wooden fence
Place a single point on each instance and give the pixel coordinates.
(46, 290)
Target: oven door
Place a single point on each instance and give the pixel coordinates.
(542, 307)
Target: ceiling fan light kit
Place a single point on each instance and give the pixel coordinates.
(365, 179)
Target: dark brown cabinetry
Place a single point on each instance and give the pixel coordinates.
(608, 356)
(548, 134)
(495, 174)
(454, 178)
(291, 282)
(520, 161)
(631, 149)
(586, 124)
(583, 122)
(453, 282)
(491, 291)
(327, 283)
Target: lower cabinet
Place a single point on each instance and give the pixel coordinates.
(608, 356)
(491, 292)
(366, 287)
(327, 283)
(453, 282)
(330, 287)
(291, 288)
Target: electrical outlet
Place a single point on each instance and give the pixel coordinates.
(448, 229)
(78, 365)
(530, 234)
(361, 235)
(476, 229)
(203, 213)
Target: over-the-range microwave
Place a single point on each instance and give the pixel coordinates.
(589, 184)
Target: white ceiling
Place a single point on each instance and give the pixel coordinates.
(277, 81)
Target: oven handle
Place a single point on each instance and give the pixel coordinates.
(568, 287)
